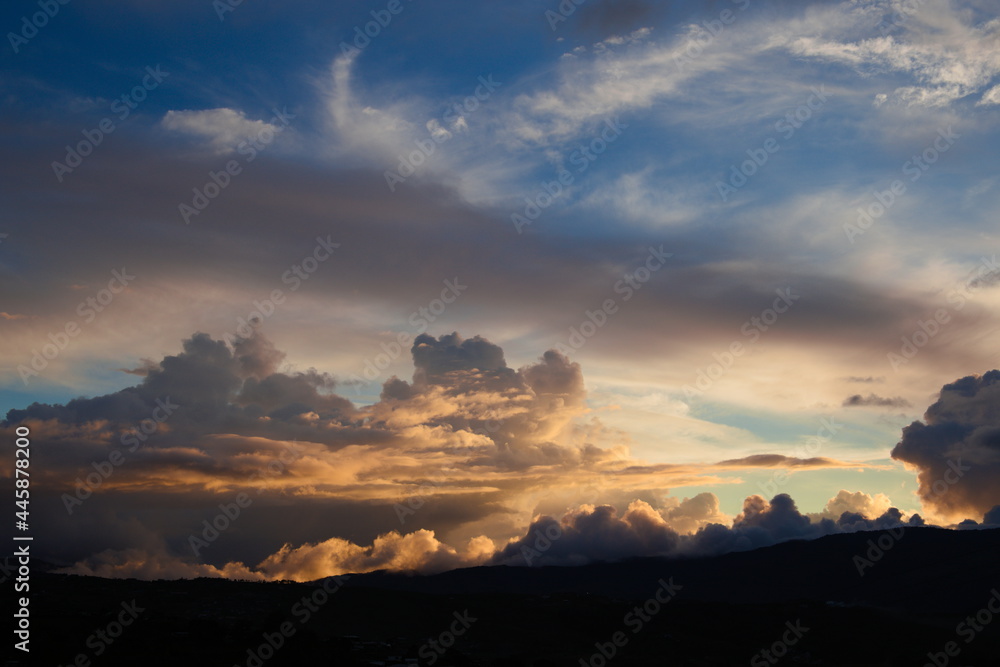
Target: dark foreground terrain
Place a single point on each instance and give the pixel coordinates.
(925, 600)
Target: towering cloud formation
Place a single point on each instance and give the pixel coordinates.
(147, 481)
(957, 448)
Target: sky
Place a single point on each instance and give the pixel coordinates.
(407, 284)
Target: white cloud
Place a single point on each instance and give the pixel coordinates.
(222, 128)
(946, 56)
(990, 97)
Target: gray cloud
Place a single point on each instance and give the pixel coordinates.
(781, 461)
(599, 533)
(956, 447)
(858, 400)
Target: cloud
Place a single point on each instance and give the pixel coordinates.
(599, 533)
(615, 17)
(939, 48)
(592, 533)
(855, 503)
(992, 517)
(582, 535)
(143, 564)
(218, 419)
(223, 129)
(873, 400)
(687, 516)
(782, 461)
(956, 448)
(435, 358)
(479, 443)
(418, 551)
(991, 97)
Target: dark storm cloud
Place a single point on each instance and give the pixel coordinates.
(853, 521)
(956, 448)
(217, 419)
(600, 534)
(434, 358)
(992, 517)
(873, 400)
(209, 380)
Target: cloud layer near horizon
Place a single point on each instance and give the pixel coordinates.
(468, 450)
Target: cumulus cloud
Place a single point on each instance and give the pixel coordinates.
(956, 448)
(855, 503)
(417, 551)
(582, 535)
(690, 514)
(479, 442)
(218, 419)
(600, 533)
(592, 533)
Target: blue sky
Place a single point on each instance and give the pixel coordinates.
(542, 162)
